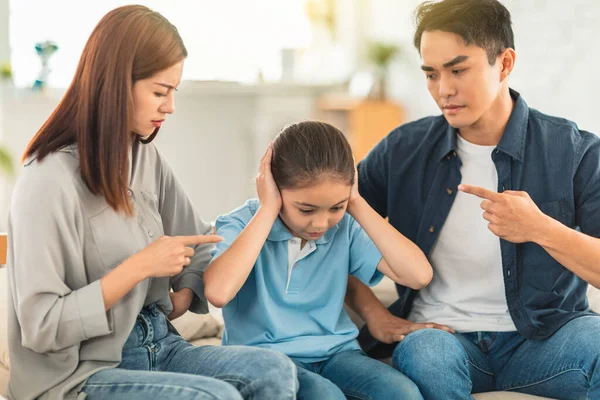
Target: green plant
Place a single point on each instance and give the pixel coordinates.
(322, 12)
(381, 53)
(5, 71)
(6, 162)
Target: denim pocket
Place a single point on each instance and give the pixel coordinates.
(558, 210)
(137, 336)
(536, 259)
(546, 278)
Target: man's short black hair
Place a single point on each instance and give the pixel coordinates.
(485, 23)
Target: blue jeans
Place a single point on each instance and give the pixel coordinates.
(447, 366)
(157, 363)
(353, 375)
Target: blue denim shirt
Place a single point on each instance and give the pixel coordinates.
(412, 175)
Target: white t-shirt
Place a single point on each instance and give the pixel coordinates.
(467, 290)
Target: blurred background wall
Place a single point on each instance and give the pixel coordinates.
(257, 65)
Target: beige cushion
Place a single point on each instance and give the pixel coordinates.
(209, 341)
(594, 298)
(3, 319)
(386, 291)
(506, 396)
(4, 375)
(195, 326)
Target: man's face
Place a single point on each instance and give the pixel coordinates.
(459, 77)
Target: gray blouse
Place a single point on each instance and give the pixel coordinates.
(62, 240)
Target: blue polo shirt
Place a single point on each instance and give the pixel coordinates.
(298, 311)
(412, 175)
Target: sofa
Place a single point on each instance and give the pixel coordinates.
(206, 330)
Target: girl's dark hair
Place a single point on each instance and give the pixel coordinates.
(129, 43)
(306, 151)
(484, 23)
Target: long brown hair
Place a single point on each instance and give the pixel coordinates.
(307, 151)
(128, 44)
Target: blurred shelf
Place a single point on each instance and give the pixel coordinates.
(364, 121)
(3, 247)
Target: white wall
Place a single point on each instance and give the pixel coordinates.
(4, 42)
(217, 135)
(216, 138)
(213, 142)
(558, 53)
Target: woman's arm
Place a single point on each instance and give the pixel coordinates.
(44, 248)
(166, 256)
(46, 245)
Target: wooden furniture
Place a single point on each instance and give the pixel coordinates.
(3, 247)
(365, 122)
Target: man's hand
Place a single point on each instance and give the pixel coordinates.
(389, 329)
(512, 215)
(181, 302)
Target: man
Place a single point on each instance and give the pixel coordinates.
(505, 202)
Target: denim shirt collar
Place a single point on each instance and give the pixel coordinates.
(515, 133)
(513, 138)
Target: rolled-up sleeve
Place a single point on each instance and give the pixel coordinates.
(587, 186)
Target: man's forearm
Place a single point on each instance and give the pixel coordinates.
(361, 299)
(576, 251)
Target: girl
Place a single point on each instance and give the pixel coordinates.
(282, 269)
(93, 248)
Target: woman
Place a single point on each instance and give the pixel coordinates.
(100, 231)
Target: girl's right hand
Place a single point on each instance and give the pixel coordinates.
(268, 192)
(168, 255)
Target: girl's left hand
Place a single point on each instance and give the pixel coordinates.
(354, 194)
(181, 301)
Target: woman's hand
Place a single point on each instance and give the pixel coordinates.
(168, 255)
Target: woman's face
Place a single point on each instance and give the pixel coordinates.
(153, 99)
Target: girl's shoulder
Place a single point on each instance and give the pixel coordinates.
(243, 213)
